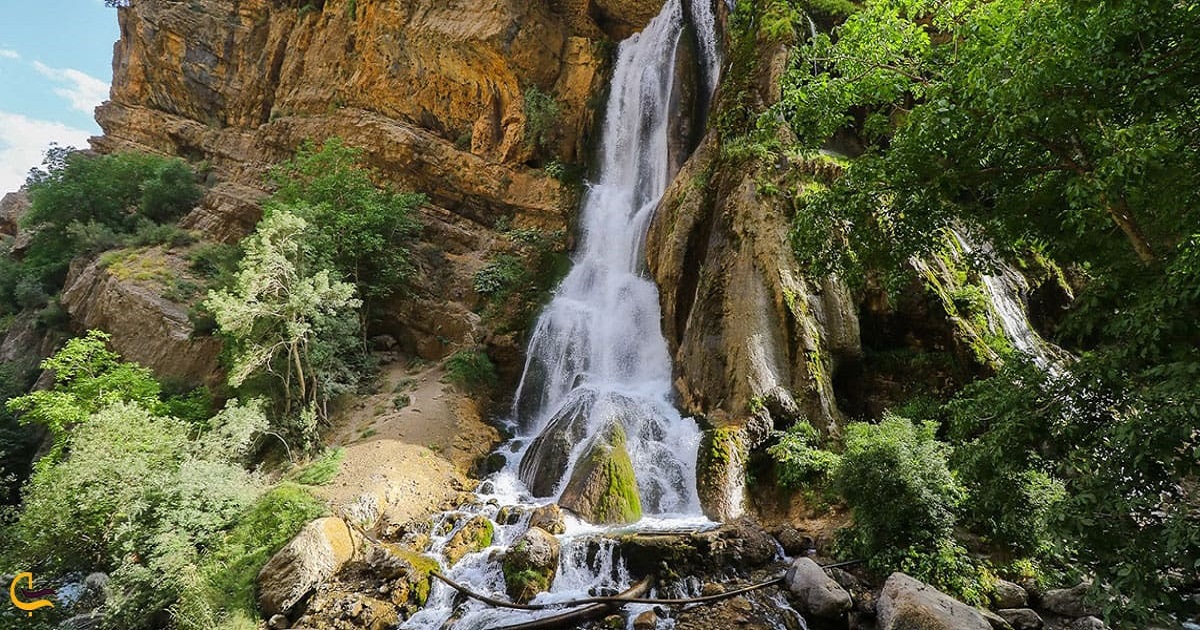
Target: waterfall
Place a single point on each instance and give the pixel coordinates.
(1006, 289)
(597, 354)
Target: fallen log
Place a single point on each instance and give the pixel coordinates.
(573, 618)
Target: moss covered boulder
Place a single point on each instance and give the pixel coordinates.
(474, 535)
(603, 488)
(531, 564)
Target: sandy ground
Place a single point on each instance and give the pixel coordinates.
(406, 460)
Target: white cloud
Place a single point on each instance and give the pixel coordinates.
(84, 91)
(9, 54)
(23, 143)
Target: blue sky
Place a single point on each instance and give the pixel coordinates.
(55, 68)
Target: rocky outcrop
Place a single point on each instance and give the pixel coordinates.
(126, 301)
(740, 543)
(909, 604)
(816, 593)
(434, 92)
(474, 535)
(757, 342)
(13, 207)
(721, 472)
(603, 488)
(531, 564)
(373, 592)
(1021, 618)
(549, 518)
(1009, 595)
(311, 558)
(1070, 602)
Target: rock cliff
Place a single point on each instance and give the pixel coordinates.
(433, 91)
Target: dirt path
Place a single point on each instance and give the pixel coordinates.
(409, 448)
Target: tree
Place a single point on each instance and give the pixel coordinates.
(87, 377)
(280, 312)
(364, 228)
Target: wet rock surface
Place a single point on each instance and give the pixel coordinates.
(603, 488)
(531, 564)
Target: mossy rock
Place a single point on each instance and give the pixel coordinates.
(530, 565)
(475, 535)
(603, 488)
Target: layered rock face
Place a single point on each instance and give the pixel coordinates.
(433, 91)
(757, 342)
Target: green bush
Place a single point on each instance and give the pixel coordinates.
(799, 460)
(894, 477)
(500, 277)
(541, 117)
(472, 370)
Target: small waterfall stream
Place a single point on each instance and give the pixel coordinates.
(597, 357)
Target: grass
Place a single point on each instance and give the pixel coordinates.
(321, 470)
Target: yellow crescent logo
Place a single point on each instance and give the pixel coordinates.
(28, 606)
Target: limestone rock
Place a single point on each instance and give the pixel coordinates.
(647, 620)
(721, 472)
(909, 604)
(146, 328)
(1069, 602)
(312, 557)
(13, 207)
(1088, 623)
(996, 621)
(1021, 618)
(603, 488)
(474, 535)
(550, 518)
(794, 543)
(740, 543)
(531, 564)
(622, 18)
(816, 593)
(1010, 595)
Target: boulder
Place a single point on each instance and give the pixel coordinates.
(312, 557)
(909, 604)
(603, 488)
(794, 542)
(721, 472)
(1021, 618)
(1009, 595)
(475, 535)
(550, 518)
(997, 622)
(647, 620)
(531, 564)
(740, 544)
(1088, 623)
(814, 592)
(1070, 602)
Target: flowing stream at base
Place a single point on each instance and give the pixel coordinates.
(597, 358)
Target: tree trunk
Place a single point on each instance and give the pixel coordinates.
(1121, 215)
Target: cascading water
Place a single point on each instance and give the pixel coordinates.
(597, 357)
(1005, 289)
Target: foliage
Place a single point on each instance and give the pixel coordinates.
(286, 321)
(541, 117)
(1066, 128)
(364, 229)
(87, 377)
(219, 591)
(472, 370)
(799, 459)
(18, 444)
(894, 477)
(500, 276)
(83, 204)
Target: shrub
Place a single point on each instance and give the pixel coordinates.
(502, 275)
(541, 116)
(895, 478)
(798, 458)
(472, 370)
